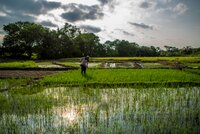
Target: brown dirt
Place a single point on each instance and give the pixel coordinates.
(173, 64)
(25, 73)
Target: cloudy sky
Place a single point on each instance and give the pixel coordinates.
(147, 22)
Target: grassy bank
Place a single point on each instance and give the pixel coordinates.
(18, 64)
(144, 59)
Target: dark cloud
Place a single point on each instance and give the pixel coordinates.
(48, 24)
(141, 25)
(28, 6)
(104, 2)
(125, 32)
(14, 17)
(91, 29)
(78, 12)
(110, 3)
(145, 4)
(24, 10)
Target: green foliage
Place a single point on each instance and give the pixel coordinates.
(88, 44)
(23, 39)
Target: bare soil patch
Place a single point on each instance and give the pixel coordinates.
(25, 73)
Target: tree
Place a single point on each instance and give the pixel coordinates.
(186, 50)
(110, 48)
(88, 44)
(67, 38)
(49, 47)
(21, 38)
(172, 51)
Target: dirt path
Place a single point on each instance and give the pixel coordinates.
(25, 73)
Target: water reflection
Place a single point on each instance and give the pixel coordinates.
(122, 65)
(120, 110)
(68, 113)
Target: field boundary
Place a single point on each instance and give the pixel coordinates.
(130, 84)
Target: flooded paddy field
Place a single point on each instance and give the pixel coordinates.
(119, 95)
(100, 110)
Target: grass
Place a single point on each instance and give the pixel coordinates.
(18, 64)
(44, 63)
(154, 65)
(115, 76)
(193, 65)
(10, 83)
(195, 71)
(77, 64)
(144, 59)
(74, 64)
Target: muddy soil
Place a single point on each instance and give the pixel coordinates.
(25, 73)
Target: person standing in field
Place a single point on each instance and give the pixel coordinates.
(84, 64)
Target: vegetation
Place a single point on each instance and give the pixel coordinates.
(18, 64)
(143, 59)
(123, 76)
(69, 41)
(116, 110)
(137, 101)
(103, 100)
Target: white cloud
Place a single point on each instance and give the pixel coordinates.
(180, 8)
(152, 20)
(2, 14)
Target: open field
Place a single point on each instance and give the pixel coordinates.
(158, 98)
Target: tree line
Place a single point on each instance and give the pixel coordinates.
(27, 40)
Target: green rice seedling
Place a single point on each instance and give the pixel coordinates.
(101, 110)
(7, 84)
(18, 64)
(194, 71)
(155, 65)
(123, 76)
(193, 65)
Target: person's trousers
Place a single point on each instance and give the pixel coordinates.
(83, 69)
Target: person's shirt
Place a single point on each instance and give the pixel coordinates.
(84, 61)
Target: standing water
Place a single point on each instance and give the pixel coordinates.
(88, 110)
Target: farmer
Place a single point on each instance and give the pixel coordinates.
(84, 64)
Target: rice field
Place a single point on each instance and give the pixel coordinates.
(144, 59)
(101, 110)
(110, 98)
(18, 64)
(123, 76)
